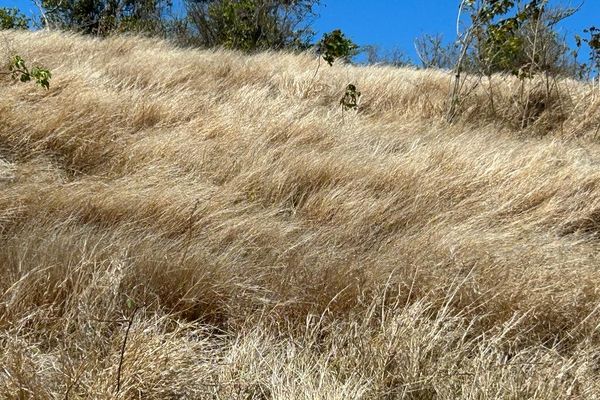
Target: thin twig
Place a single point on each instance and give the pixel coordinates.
(313, 78)
(122, 355)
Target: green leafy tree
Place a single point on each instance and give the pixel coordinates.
(335, 45)
(513, 36)
(507, 48)
(522, 39)
(102, 17)
(251, 25)
(12, 18)
(494, 38)
(503, 36)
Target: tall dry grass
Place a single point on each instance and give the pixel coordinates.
(260, 244)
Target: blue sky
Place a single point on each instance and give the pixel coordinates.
(396, 23)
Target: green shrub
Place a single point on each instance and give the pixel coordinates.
(12, 18)
(510, 36)
(103, 17)
(504, 36)
(335, 45)
(19, 70)
(251, 25)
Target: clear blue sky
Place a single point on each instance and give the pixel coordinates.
(396, 23)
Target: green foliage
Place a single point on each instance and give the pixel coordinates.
(238, 30)
(12, 18)
(505, 36)
(350, 99)
(251, 25)
(335, 45)
(499, 29)
(20, 71)
(514, 36)
(103, 17)
(502, 49)
(593, 42)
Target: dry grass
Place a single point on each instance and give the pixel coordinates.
(277, 249)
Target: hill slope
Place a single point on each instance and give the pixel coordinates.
(266, 245)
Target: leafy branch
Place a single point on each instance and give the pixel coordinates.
(335, 45)
(12, 18)
(593, 42)
(19, 70)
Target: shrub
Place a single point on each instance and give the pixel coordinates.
(510, 36)
(103, 17)
(12, 18)
(251, 25)
(335, 45)
(19, 70)
(516, 37)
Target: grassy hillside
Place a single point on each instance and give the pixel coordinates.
(252, 242)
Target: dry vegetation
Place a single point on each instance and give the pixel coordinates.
(269, 247)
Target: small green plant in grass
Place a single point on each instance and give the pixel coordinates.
(19, 70)
(350, 99)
